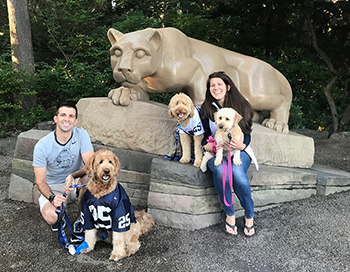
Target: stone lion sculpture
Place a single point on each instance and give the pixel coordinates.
(166, 60)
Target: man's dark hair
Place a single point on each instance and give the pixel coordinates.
(68, 104)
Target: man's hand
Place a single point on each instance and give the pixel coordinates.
(69, 182)
(57, 201)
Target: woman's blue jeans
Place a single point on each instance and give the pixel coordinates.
(241, 185)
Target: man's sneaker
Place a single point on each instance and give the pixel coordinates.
(75, 239)
(77, 227)
(77, 231)
(58, 224)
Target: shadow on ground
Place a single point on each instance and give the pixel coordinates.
(308, 235)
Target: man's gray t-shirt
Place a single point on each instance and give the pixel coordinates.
(61, 160)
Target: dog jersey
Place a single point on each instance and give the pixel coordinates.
(111, 212)
(195, 126)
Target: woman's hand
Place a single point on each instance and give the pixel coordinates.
(237, 144)
(210, 147)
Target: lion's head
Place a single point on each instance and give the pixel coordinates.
(134, 55)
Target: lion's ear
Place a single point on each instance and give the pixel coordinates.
(155, 38)
(114, 35)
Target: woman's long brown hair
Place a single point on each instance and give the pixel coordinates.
(233, 99)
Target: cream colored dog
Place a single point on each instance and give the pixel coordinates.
(227, 120)
(102, 190)
(181, 107)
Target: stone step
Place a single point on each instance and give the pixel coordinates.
(181, 193)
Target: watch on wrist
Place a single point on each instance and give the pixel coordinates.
(51, 198)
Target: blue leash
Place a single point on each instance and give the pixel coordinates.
(62, 238)
(174, 157)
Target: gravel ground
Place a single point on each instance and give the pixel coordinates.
(308, 235)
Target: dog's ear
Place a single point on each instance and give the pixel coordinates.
(215, 115)
(116, 164)
(237, 118)
(89, 166)
(192, 109)
(170, 113)
(171, 106)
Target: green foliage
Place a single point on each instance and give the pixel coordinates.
(72, 49)
(14, 85)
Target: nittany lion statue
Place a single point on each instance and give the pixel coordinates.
(166, 60)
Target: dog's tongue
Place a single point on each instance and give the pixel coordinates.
(180, 115)
(105, 177)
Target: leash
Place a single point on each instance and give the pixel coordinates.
(229, 173)
(177, 132)
(62, 238)
(174, 157)
(212, 141)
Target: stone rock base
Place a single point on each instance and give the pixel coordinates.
(145, 126)
(180, 195)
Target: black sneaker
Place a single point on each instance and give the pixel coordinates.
(75, 239)
(77, 227)
(58, 224)
(77, 231)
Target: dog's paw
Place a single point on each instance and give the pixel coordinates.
(197, 163)
(217, 162)
(87, 250)
(132, 248)
(237, 162)
(184, 160)
(116, 257)
(203, 167)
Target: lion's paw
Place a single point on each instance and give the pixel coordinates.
(276, 125)
(120, 96)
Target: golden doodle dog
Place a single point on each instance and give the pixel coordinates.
(106, 211)
(181, 107)
(227, 120)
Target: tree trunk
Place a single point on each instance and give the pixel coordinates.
(328, 61)
(331, 103)
(345, 117)
(21, 43)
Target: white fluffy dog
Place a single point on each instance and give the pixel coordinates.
(181, 107)
(227, 120)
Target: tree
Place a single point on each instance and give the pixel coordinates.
(20, 35)
(21, 44)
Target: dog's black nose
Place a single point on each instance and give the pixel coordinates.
(106, 171)
(221, 126)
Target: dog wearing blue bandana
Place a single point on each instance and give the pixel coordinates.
(190, 125)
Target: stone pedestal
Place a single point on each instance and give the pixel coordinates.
(180, 195)
(145, 126)
(141, 126)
